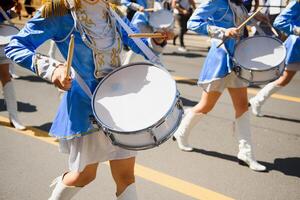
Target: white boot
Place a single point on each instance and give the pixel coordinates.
(260, 98)
(242, 127)
(129, 193)
(129, 56)
(62, 191)
(52, 49)
(184, 129)
(11, 105)
(12, 71)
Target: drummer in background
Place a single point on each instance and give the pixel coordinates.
(219, 19)
(288, 22)
(183, 10)
(7, 84)
(141, 20)
(98, 44)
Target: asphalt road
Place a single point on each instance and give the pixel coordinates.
(30, 160)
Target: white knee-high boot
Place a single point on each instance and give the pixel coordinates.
(260, 98)
(184, 129)
(129, 56)
(62, 191)
(129, 193)
(242, 128)
(11, 105)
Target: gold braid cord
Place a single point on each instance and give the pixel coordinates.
(56, 7)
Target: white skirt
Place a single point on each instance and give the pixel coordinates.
(229, 81)
(90, 149)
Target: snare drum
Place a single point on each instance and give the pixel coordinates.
(259, 59)
(6, 32)
(137, 106)
(162, 19)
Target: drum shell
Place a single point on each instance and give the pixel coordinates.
(151, 136)
(257, 76)
(143, 137)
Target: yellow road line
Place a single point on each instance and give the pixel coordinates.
(176, 184)
(250, 90)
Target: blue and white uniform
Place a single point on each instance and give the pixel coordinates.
(213, 18)
(289, 22)
(98, 44)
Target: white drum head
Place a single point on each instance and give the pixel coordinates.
(134, 97)
(259, 53)
(6, 32)
(161, 19)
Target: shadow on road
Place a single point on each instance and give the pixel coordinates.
(44, 127)
(32, 78)
(22, 107)
(282, 118)
(187, 102)
(288, 166)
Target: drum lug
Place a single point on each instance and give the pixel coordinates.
(237, 70)
(251, 75)
(154, 136)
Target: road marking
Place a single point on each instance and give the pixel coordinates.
(173, 183)
(250, 90)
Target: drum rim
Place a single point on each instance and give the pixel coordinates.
(109, 129)
(256, 36)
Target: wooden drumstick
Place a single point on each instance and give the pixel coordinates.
(273, 30)
(149, 10)
(70, 55)
(147, 35)
(242, 24)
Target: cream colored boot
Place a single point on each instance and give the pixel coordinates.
(260, 98)
(242, 127)
(11, 105)
(129, 193)
(184, 129)
(62, 191)
(129, 56)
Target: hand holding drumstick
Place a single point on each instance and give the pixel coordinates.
(235, 31)
(61, 75)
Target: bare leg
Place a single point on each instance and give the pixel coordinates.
(261, 97)
(123, 174)
(68, 185)
(192, 117)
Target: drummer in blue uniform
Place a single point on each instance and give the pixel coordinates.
(141, 19)
(98, 44)
(5, 76)
(289, 22)
(219, 19)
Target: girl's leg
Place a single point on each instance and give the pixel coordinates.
(260, 98)
(69, 184)
(192, 117)
(10, 97)
(123, 175)
(242, 128)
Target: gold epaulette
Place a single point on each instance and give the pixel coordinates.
(117, 9)
(56, 7)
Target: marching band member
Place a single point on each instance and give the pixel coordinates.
(289, 22)
(141, 20)
(5, 76)
(99, 35)
(218, 19)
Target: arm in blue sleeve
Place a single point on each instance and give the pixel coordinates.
(286, 21)
(22, 46)
(198, 22)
